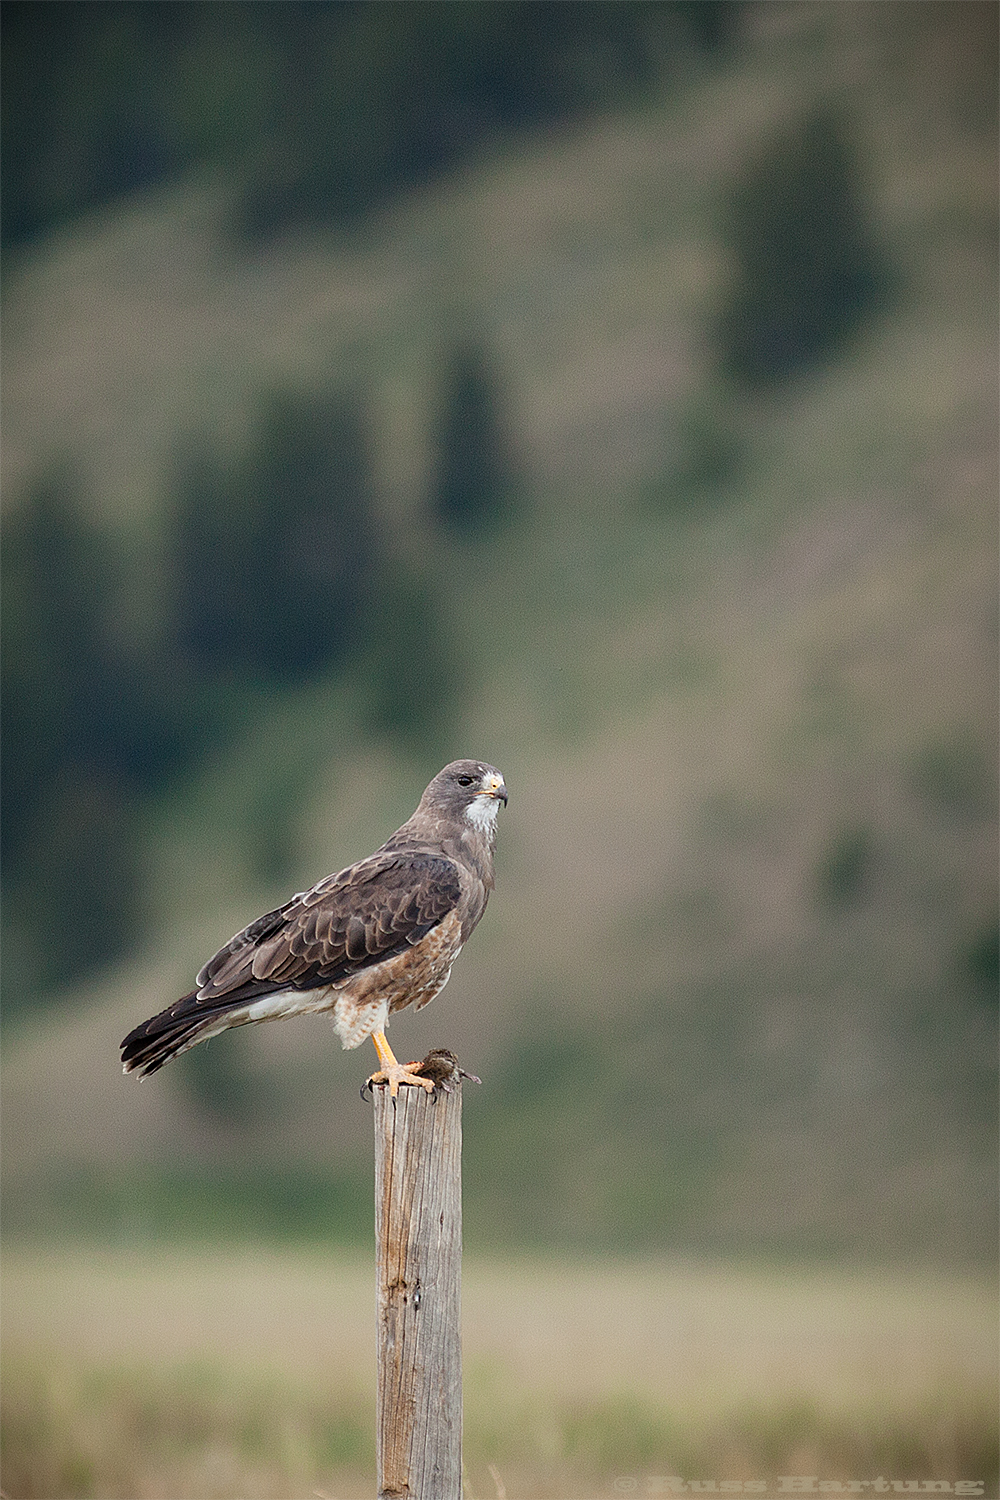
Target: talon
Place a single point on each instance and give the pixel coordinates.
(392, 1072)
(396, 1073)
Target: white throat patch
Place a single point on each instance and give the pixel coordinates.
(482, 813)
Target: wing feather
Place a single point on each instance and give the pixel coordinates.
(346, 922)
(356, 939)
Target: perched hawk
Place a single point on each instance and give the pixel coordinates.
(381, 935)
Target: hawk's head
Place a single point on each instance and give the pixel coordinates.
(467, 789)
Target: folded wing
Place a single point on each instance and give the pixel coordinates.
(362, 916)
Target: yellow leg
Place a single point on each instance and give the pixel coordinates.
(394, 1073)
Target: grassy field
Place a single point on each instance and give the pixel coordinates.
(158, 1376)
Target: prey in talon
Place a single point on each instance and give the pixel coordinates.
(394, 1073)
(359, 945)
(438, 1070)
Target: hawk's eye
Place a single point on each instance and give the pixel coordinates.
(466, 780)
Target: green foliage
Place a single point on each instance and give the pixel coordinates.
(323, 109)
(275, 562)
(806, 269)
(71, 693)
(255, 1204)
(83, 730)
(981, 963)
(413, 672)
(282, 573)
(75, 897)
(952, 775)
(844, 868)
(476, 485)
(382, 95)
(707, 455)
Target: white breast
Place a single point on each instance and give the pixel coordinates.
(482, 813)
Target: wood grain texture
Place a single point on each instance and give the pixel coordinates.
(418, 1225)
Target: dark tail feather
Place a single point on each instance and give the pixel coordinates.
(172, 1032)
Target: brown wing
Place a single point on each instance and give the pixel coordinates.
(349, 921)
(369, 912)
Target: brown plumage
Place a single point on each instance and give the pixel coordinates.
(378, 936)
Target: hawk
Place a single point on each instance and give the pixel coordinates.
(373, 939)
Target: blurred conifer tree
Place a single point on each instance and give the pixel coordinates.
(321, 109)
(79, 734)
(275, 562)
(476, 486)
(807, 270)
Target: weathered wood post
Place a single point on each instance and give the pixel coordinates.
(418, 1227)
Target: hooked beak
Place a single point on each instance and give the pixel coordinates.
(493, 786)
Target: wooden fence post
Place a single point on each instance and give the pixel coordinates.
(418, 1227)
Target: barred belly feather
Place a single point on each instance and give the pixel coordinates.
(413, 977)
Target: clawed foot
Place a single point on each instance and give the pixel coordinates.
(396, 1073)
(438, 1070)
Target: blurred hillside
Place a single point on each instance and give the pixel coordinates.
(652, 457)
